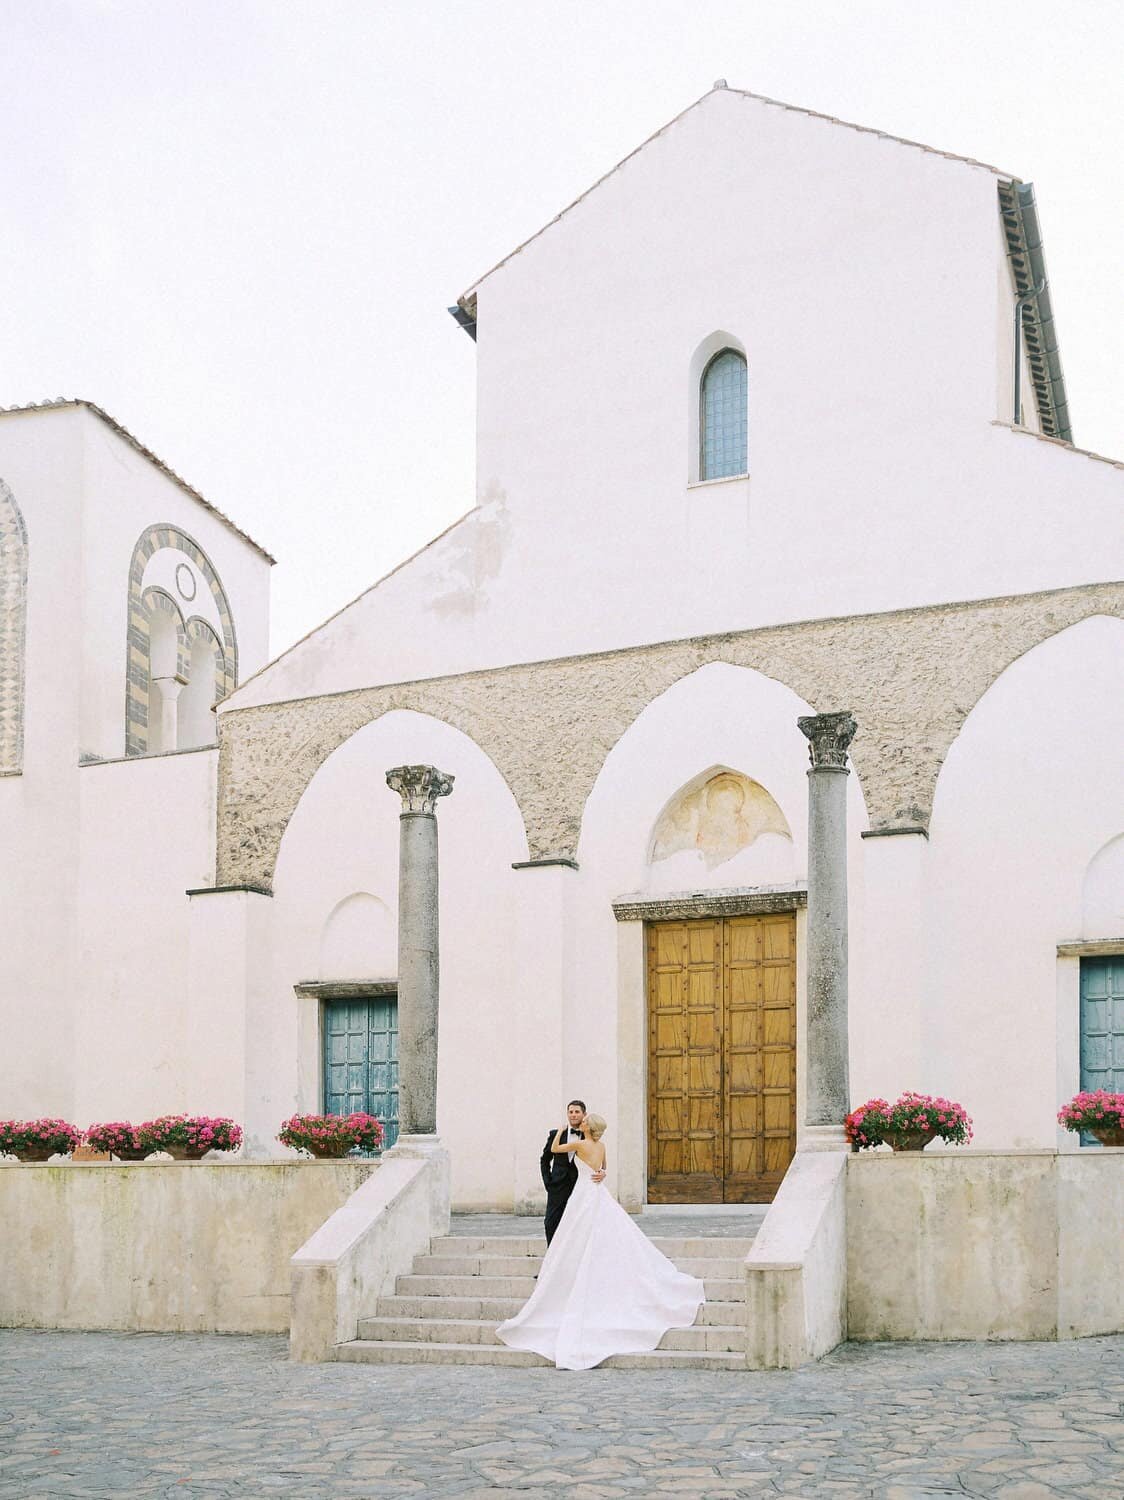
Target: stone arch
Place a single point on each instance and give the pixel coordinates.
(1005, 678)
(13, 631)
(910, 677)
(199, 697)
(138, 646)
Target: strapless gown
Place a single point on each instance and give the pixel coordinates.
(603, 1288)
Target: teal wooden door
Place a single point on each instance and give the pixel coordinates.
(1102, 1026)
(361, 1060)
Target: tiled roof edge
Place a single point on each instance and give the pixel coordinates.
(123, 432)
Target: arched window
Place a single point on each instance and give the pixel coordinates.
(722, 417)
(188, 571)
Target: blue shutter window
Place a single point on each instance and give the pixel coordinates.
(722, 417)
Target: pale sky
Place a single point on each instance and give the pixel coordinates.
(237, 224)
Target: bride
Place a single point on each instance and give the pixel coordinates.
(604, 1288)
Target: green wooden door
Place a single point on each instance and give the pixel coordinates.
(361, 1060)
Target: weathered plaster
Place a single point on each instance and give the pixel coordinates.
(910, 677)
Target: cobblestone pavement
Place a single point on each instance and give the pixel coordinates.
(195, 1415)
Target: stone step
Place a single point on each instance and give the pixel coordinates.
(717, 1289)
(721, 1339)
(496, 1309)
(727, 1268)
(723, 1247)
(495, 1244)
(377, 1352)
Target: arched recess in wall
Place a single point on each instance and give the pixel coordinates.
(1102, 892)
(359, 939)
(715, 816)
(1056, 710)
(717, 417)
(138, 664)
(13, 631)
(206, 682)
(735, 722)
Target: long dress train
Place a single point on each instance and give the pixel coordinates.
(603, 1288)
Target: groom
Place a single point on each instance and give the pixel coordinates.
(559, 1172)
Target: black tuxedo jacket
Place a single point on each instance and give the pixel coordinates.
(559, 1173)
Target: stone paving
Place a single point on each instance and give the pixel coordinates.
(197, 1415)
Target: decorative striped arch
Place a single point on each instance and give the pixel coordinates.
(13, 631)
(139, 642)
(199, 629)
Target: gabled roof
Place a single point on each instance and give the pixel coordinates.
(467, 301)
(1024, 247)
(127, 436)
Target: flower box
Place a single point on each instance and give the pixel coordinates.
(909, 1124)
(117, 1137)
(188, 1137)
(37, 1140)
(331, 1135)
(1099, 1113)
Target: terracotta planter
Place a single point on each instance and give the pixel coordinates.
(130, 1153)
(185, 1153)
(331, 1150)
(1108, 1135)
(909, 1140)
(36, 1153)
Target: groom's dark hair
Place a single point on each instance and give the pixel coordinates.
(579, 1102)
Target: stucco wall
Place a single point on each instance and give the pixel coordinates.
(175, 1247)
(876, 480)
(975, 1245)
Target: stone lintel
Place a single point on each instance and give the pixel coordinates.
(729, 903)
(225, 890)
(551, 859)
(889, 833)
(344, 989)
(1091, 948)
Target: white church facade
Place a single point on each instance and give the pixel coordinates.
(753, 443)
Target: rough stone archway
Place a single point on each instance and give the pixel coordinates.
(909, 676)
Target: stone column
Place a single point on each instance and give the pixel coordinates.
(826, 1099)
(418, 980)
(167, 711)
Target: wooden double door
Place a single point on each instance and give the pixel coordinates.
(721, 1058)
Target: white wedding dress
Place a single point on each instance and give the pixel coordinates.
(603, 1289)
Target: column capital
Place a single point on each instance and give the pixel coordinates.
(829, 736)
(419, 787)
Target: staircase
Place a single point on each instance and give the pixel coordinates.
(446, 1311)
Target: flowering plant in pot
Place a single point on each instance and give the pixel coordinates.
(188, 1137)
(909, 1124)
(331, 1135)
(1099, 1112)
(119, 1138)
(37, 1140)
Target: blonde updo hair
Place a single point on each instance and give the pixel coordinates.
(594, 1126)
